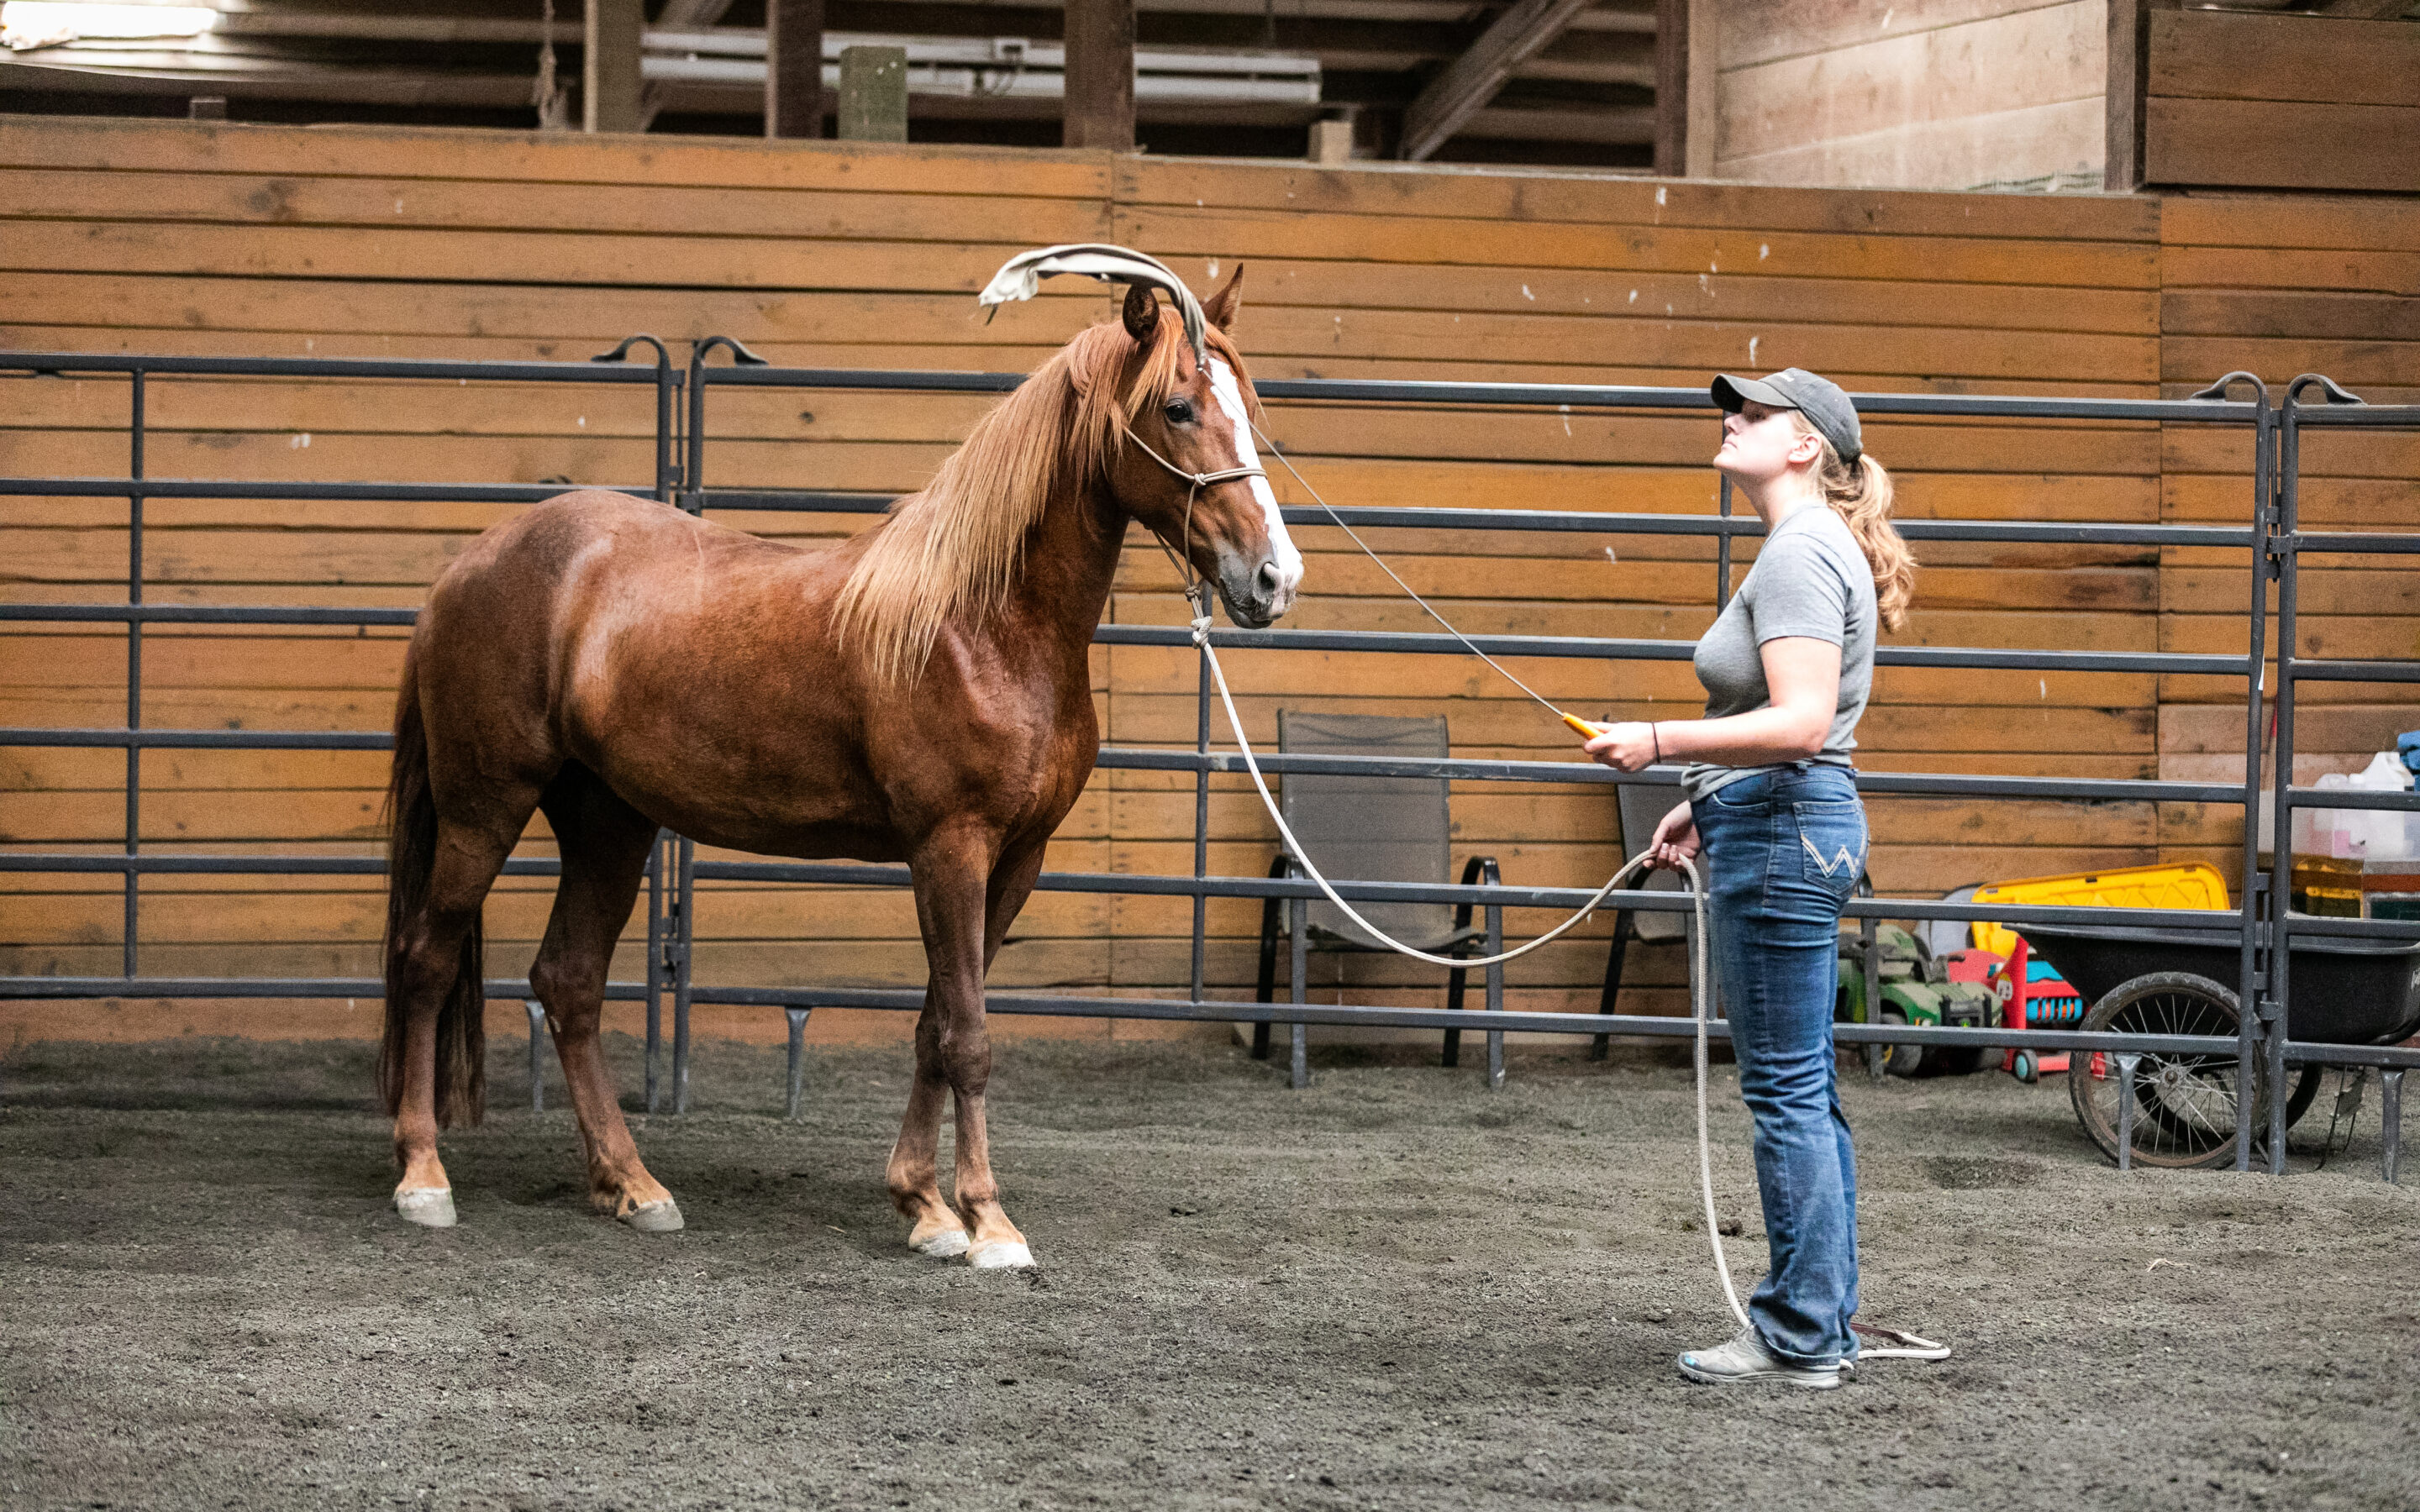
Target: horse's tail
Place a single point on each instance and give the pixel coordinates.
(411, 860)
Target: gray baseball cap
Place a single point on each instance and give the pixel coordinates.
(1819, 399)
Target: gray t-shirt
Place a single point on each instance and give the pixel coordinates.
(1809, 579)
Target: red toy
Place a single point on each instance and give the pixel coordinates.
(2032, 995)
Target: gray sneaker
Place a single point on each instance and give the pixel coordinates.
(1745, 1358)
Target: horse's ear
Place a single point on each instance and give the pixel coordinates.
(1142, 314)
(1223, 305)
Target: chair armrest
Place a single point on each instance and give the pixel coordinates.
(1480, 871)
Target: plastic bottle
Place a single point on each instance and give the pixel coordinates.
(2380, 834)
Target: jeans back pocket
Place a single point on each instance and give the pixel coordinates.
(1830, 841)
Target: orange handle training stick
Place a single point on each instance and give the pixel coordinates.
(1587, 730)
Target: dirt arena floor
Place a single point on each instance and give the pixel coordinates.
(1393, 1291)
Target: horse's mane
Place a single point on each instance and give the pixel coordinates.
(954, 547)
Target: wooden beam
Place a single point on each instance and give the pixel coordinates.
(1705, 88)
(2281, 144)
(794, 67)
(2130, 72)
(1470, 81)
(1100, 101)
(1615, 126)
(678, 16)
(1671, 88)
(2316, 60)
(609, 68)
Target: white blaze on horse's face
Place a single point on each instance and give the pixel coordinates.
(1281, 574)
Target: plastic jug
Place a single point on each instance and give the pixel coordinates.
(2361, 834)
(2383, 834)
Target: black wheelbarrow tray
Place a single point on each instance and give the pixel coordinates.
(2182, 981)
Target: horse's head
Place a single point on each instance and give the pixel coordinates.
(1196, 416)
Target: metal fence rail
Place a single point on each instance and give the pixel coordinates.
(2271, 539)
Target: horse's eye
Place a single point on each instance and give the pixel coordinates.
(1180, 411)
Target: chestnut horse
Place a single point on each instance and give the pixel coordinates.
(921, 692)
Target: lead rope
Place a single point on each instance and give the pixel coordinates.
(1700, 973)
(1197, 593)
(1896, 1344)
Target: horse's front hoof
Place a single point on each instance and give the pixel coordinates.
(431, 1206)
(662, 1217)
(946, 1245)
(1001, 1254)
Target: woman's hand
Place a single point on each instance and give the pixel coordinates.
(1625, 748)
(1675, 841)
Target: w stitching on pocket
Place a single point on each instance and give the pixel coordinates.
(1844, 859)
(1827, 867)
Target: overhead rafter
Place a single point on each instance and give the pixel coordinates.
(468, 62)
(678, 16)
(1472, 80)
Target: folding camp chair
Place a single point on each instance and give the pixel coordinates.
(1370, 828)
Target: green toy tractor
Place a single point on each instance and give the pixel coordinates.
(1915, 989)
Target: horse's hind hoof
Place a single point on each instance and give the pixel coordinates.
(662, 1217)
(1000, 1256)
(946, 1245)
(431, 1206)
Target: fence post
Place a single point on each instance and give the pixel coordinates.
(659, 961)
(1723, 550)
(1298, 926)
(2274, 1006)
(683, 923)
(2251, 973)
(1202, 829)
(2125, 1064)
(684, 941)
(667, 490)
(1495, 990)
(136, 397)
(536, 1012)
(797, 1060)
(2390, 1117)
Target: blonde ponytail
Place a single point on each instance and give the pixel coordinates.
(1861, 495)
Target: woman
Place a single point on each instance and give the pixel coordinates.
(1772, 800)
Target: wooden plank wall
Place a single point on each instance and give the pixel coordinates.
(2285, 285)
(1924, 94)
(171, 237)
(2333, 103)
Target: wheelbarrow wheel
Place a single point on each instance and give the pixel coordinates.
(2184, 1105)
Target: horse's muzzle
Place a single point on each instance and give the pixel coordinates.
(1257, 594)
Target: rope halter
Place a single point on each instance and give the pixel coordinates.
(1197, 589)
(1020, 278)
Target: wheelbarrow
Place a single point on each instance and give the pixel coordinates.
(2180, 982)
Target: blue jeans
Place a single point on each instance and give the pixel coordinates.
(1784, 849)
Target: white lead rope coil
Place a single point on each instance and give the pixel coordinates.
(1302, 856)
(1701, 972)
(1899, 1345)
